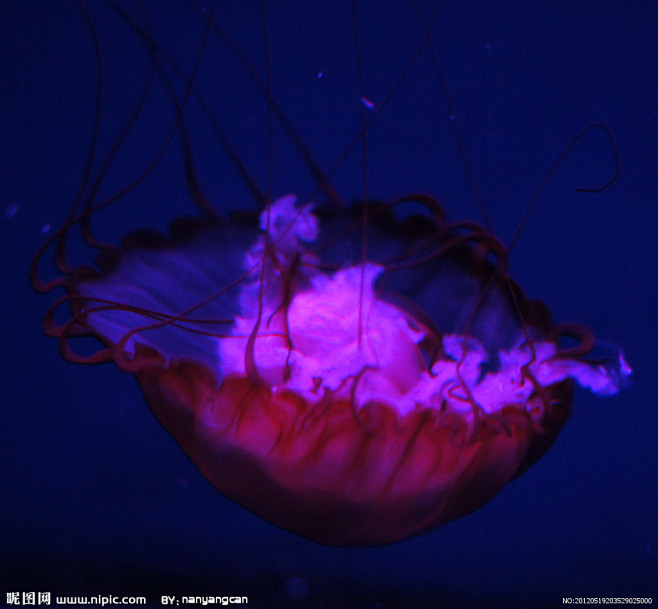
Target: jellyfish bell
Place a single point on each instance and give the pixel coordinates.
(309, 387)
(356, 374)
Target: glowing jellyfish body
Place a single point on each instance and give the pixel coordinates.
(354, 397)
(354, 375)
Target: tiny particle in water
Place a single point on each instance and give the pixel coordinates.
(367, 103)
(11, 210)
(297, 588)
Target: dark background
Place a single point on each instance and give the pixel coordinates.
(96, 497)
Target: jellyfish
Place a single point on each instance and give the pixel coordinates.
(355, 373)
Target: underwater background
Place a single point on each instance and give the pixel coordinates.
(96, 497)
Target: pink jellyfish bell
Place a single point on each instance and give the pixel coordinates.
(353, 395)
